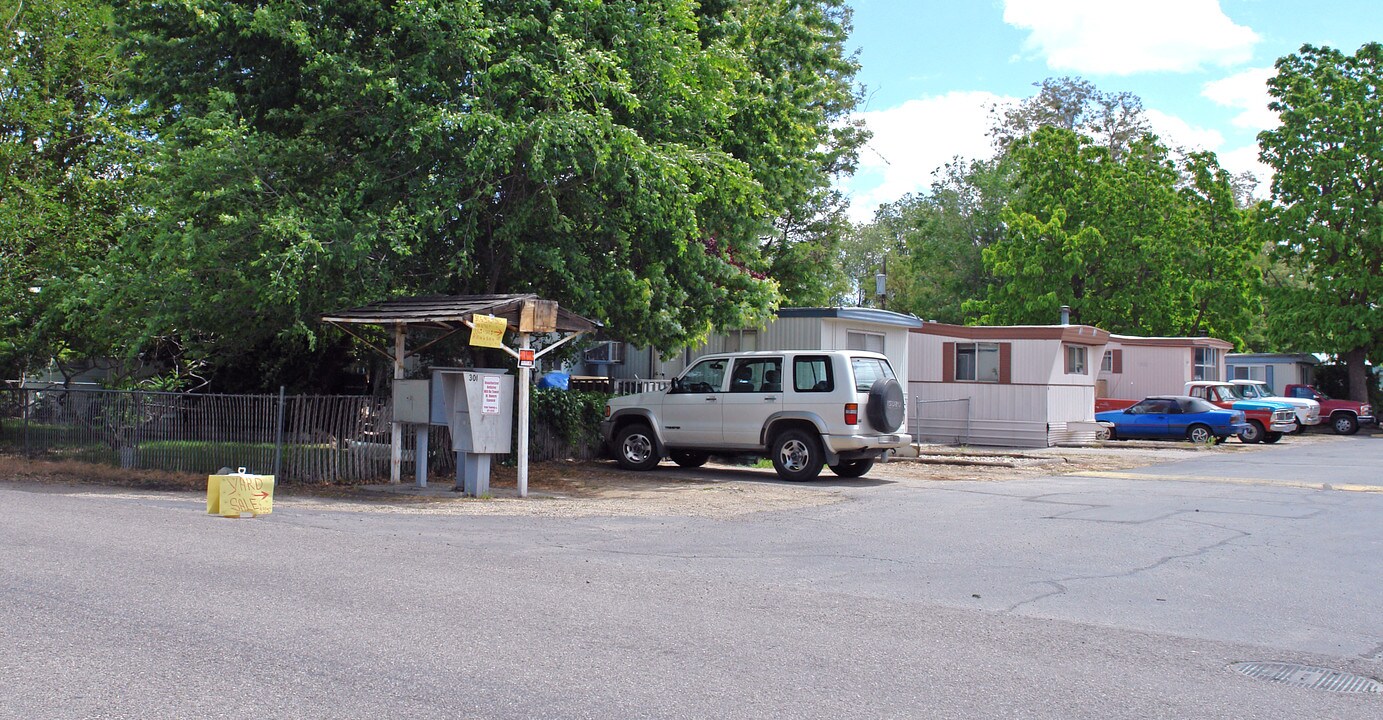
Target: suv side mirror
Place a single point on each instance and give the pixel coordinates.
(676, 385)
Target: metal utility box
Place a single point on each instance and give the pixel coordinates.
(412, 401)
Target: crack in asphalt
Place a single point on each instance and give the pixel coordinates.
(1061, 589)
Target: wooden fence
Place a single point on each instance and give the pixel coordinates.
(298, 438)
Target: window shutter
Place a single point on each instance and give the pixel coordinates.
(948, 362)
(1268, 378)
(1117, 362)
(1005, 363)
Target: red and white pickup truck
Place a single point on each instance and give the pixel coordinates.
(1267, 419)
(1345, 415)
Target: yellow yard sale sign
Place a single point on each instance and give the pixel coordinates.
(488, 330)
(239, 495)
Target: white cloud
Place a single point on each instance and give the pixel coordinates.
(914, 139)
(1247, 92)
(1122, 38)
(1176, 132)
(1245, 159)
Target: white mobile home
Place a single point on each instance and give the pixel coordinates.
(1010, 386)
(1133, 368)
(1278, 370)
(838, 328)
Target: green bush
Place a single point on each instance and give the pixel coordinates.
(574, 415)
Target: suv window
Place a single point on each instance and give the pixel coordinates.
(869, 371)
(762, 375)
(812, 373)
(703, 377)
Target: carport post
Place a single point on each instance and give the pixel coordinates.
(525, 343)
(396, 427)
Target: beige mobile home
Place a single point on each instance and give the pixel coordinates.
(1010, 386)
(1133, 368)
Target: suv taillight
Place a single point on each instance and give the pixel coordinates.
(852, 413)
(607, 411)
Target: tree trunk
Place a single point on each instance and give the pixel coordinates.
(1358, 375)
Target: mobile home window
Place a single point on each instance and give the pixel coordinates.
(870, 342)
(1207, 365)
(742, 341)
(977, 362)
(1075, 360)
(1250, 372)
(1107, 362)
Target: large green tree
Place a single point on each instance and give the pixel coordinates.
(1326, 216)
(931, 243)
(629, 159)
(1141, 243)
(68, 151)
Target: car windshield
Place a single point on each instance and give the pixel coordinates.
(1251, 392)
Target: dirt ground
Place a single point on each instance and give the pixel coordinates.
(584, 489)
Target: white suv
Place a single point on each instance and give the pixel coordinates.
(802, 408)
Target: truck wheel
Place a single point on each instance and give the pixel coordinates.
(1297, 428)
(1253, 433)
(797, 456)
(635, 448)
(853, 468)
(1199, 434)
(1344, 424)
(1271, 437)
(689, 458)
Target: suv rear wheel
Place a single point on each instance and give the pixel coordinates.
(797, 455)
(635, 448)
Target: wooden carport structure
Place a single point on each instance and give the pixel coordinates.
(450, 314)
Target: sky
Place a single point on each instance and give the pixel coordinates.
(932, 69)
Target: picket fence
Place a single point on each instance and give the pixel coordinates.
(298, 438)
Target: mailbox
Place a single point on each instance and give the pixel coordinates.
(477, 405)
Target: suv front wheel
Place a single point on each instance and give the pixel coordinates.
(797, 455)
(635, 448)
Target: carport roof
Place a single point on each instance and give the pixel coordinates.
(450, 311)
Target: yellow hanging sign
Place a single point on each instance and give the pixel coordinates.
(488, 330)
(240, 495)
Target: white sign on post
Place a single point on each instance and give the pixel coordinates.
(489, 403)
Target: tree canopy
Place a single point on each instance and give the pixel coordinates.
(1325, 222)
(662, 166)
(68, 152)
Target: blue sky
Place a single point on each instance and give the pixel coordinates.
(932, 68)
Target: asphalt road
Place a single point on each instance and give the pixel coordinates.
(1118, 596)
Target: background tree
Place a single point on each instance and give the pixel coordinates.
(626, 158)
(1112, 120)
(1326, 216)
(933, 241)
(1141, 244)
(68, 149)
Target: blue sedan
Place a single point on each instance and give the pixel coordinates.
(1173, 416)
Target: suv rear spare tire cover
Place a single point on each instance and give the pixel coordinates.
(885, 405)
